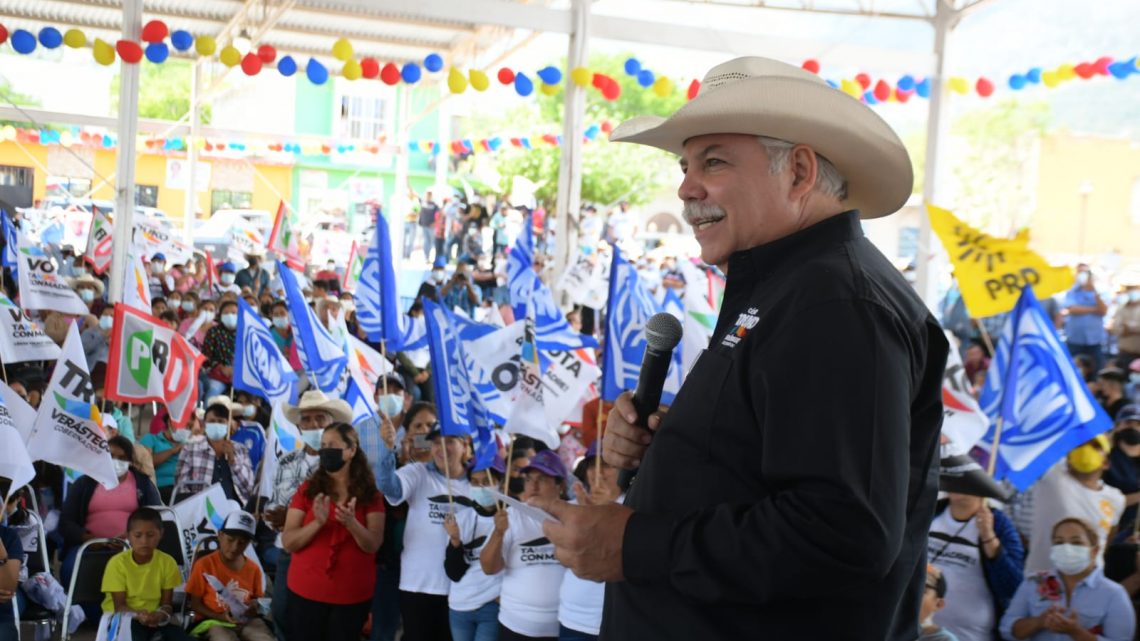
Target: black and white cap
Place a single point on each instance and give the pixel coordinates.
(239, 522)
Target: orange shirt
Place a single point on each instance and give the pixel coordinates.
(244, 584)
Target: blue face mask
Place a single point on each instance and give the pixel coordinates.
(217, 431)
(390, 405)
(482, 496)
(311, 438)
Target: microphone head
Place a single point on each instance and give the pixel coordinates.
(663, 332)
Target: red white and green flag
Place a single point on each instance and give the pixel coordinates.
(353, 269)
(283, 241)
(151, 362)
(99, 242)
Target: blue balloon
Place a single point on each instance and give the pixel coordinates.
(182, 40)
(1017, 82)
(433, 62)
(869, 98)
(411, 73)
(316, 72)
(157, 52)
(632, 66)
(591, 132)
(495, 143)
(923, 88)
(1120, 70)
(550, 75)
(108, 141)
(525, 142)
(645, 78)
(23, 41)
(435, 149)
(413, 145)
(287, 66)
(1034, 75)
(523, 86)
(906, 83)
(50, 37)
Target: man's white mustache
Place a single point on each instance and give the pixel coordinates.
(697, 212)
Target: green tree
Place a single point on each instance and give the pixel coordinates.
(164, 91)
(610, 172)
(8, 95)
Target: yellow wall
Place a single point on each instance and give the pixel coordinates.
(270, 183)
(1112, 168)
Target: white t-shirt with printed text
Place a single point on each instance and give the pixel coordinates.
(532, 579)
(425, 539)
(475, 589)
(953, 548)
(1057, 496)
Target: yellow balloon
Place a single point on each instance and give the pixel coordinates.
(66, 139)
(959, 85)
(103, 52)
(1066, 72)
(8, 132)
(351, 70)
(456, 81)
(851, 88)
(75, 38)
(200, 143)
(479, 80)
(342, 50)
(548, 90)
(581, 76)
(662, 87)
(1050, 79)
(230, 56)
(205, 45)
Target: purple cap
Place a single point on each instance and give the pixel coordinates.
(592, 451)
(547, 462)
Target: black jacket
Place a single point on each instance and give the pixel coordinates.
(73, 516)
(789, 491)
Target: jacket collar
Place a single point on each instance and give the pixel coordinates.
(763, 261)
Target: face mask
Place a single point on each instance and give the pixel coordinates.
(390, 405)
(1128, 436)
(249, 411)
(1135, 378)
(187, 306)
(181, 435)
(1134, 296)
(482, 496)
(516, 486)
(1086, 459)
(1069, 558)
(157, 268)
(437, 276)
(121, 467)
(217, 431)
(347, 305)
(229, 320)
(281, 322)
(227, 278)
(311, 438)
(175, 303)
(208, 316)
(332, 459)
(252, 264)
(87, 295)
(331, 267)
(1083, 278)
(106, 322)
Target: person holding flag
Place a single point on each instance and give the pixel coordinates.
(218, 348)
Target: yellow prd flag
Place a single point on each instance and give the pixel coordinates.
(992, 271)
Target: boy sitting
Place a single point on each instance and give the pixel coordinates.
(141, 580)
(225, 584)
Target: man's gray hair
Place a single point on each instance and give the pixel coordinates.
(828, 182)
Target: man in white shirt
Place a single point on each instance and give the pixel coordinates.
(1074, 488)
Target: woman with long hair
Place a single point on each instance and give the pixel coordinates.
(334, 526)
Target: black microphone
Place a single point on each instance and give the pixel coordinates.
(662, 333)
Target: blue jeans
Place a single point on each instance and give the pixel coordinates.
(1095, 352)
(566, 634)
(429, 241)
(280, 604)
(409, 239)
(476, 625)
(385, 605)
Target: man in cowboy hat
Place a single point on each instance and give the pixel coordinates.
(767, 508)
(312, 414)
(90, 290)
(253, 276)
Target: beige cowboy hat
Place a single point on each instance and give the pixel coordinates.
(340, 411)
(770, 98)
(257, 251)
(87, 279)
(226, 402)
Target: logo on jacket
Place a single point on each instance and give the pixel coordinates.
(537, 552)
(744, 324)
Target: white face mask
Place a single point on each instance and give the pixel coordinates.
(121, 467)
(181, 435)
(347, 305)
(249, 411)
(227, 278)
(87, 295)
(187, 305)
(1083, 278)
(106, 322)
(390, 405)
(157, 268)
(1070, 559)
(229, 320)
(175, 304)
(312, 438)
(217, 431)
(437, 275)
(1134, 296)
(208, 316)
(281, 322)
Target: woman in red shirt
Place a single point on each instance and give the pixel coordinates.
(333, 529)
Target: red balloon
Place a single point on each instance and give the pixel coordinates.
(694, 88)
(1085, 70)
(369, 68)
(456, 147)
(902, 96)
(607, 126)
(985, 87)
(811, 65)
(882, 91)
(251, 64)
(864, 81)
(155, 31)
(267, 54)
(516, 142)
(506, 76)
(325, 149)
(390, 74)
(3, 34)
(612, 90)
(1101, 65)
(599, 81)
(129, 51)
(550, 139)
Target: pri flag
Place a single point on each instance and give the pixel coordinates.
(99, 242)
(136, 288)
(151, 362)
(1045, 406)
(353, 269)
(963, 421)
(283, 240)
(68, 429)
(21, 338)
(992, 272)
(259, 366)
(41, 287)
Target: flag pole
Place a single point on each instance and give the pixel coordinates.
(507, 475)
(447, 473)
(491, 480)
(598, 439)
(991, 467)
(4, 367)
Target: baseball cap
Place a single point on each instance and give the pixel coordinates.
(1128, 413)
(394, 379)
(227, 267)
(158, 258)
(440, 262)
(240, 523)
(547, 462)
(1113, 374)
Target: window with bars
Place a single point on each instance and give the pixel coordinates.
(222, 199)
(66, 186)
(146, 195)
(16, 176)
(363, 117)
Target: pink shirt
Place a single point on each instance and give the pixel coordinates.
(108, 510)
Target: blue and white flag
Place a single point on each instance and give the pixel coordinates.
(628, 309)
(259, 366)
(1046, 408)
(361, 408)
(11, 243)
(521, 278)
(461, 410)
(528, 414)
(321, 354)
(377, 309)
